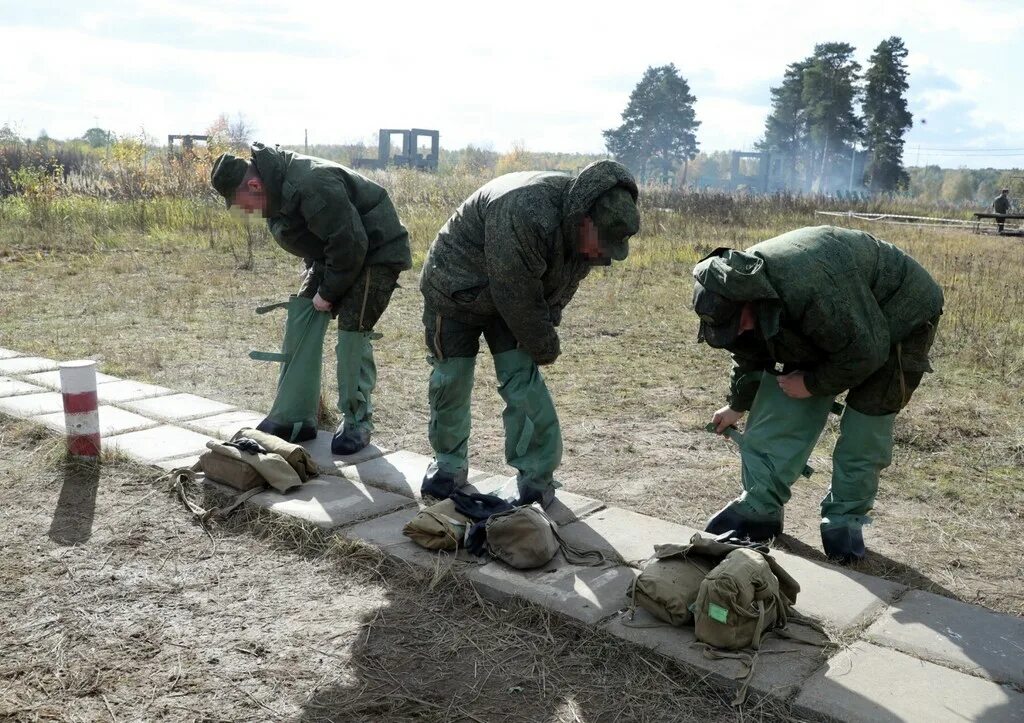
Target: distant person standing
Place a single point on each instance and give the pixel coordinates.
(1002, 205)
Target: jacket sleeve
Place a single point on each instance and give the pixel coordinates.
(331, 216)
(514, 246)
(852, 331)
(745, 380)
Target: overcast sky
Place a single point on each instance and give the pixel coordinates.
(552, 75)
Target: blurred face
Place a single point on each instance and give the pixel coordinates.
(251, 197)
(588, 243)
(748, 318)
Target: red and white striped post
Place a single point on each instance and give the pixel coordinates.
(81, 415)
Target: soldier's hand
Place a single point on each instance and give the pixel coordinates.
(545, 359)
(725, 418)
(793, 385)
(321, 304)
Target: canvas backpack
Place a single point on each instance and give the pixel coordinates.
(438, 527)
(669, 582)
(738, 602)
(522, 537)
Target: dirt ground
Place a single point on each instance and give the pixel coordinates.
(116, 606)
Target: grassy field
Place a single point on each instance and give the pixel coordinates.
(163, 290)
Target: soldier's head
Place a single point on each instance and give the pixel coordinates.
(237, 180)
(603, 234)
(1005, 192)
(722, 320)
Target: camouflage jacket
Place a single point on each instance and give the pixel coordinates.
(1001, 204)
(830, 301)
(324, 212)
(510, 251)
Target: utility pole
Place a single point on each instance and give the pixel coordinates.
(305, 143)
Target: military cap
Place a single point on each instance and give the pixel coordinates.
(228, 173)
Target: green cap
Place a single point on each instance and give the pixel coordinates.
(228, 173)
(616, 217)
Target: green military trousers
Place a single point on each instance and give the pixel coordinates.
(779, 438)
(533, 437)
(294, 414)
(781, 433)
(357, 312)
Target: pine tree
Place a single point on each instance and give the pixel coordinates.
(829, 93)
(886, 116)
(659, 125)
(786, 126)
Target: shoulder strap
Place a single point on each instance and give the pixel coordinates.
(272, 307)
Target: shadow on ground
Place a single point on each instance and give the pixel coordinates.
(76, 506)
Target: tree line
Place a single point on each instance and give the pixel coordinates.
(822, 112)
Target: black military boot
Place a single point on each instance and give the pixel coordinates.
(528, 494)
(287, 432)
(843, 545)
(440, 484)
(349, 440)
(730, 519)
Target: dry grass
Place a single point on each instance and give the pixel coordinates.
(145, 617)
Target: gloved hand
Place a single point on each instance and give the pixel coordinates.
(476, 539)
(548, 355)
(245, 444)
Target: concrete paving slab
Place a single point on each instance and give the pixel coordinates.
(840, 599)
(566, 508)
(872, 684)
(32, 405)
(330, 501)
(954, 634)
(9, 353)
(10, 387)
(385, 533)
(786, 666)
(126, 390)
(400, 472)
(26, 365)
(187, 461)
(629, 535)
(112, 421)
(178, 407)
(223, 426)
(51, 380)
(588, 594)
(163, 442)
(320, 450)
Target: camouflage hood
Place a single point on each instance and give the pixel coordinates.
(736, 275)
(594, 180)
(272, 165)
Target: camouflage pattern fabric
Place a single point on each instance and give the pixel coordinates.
(510, 251)
(328, 213)
(361, 307)
(833, 302)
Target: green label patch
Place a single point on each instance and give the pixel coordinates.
(717, 612)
